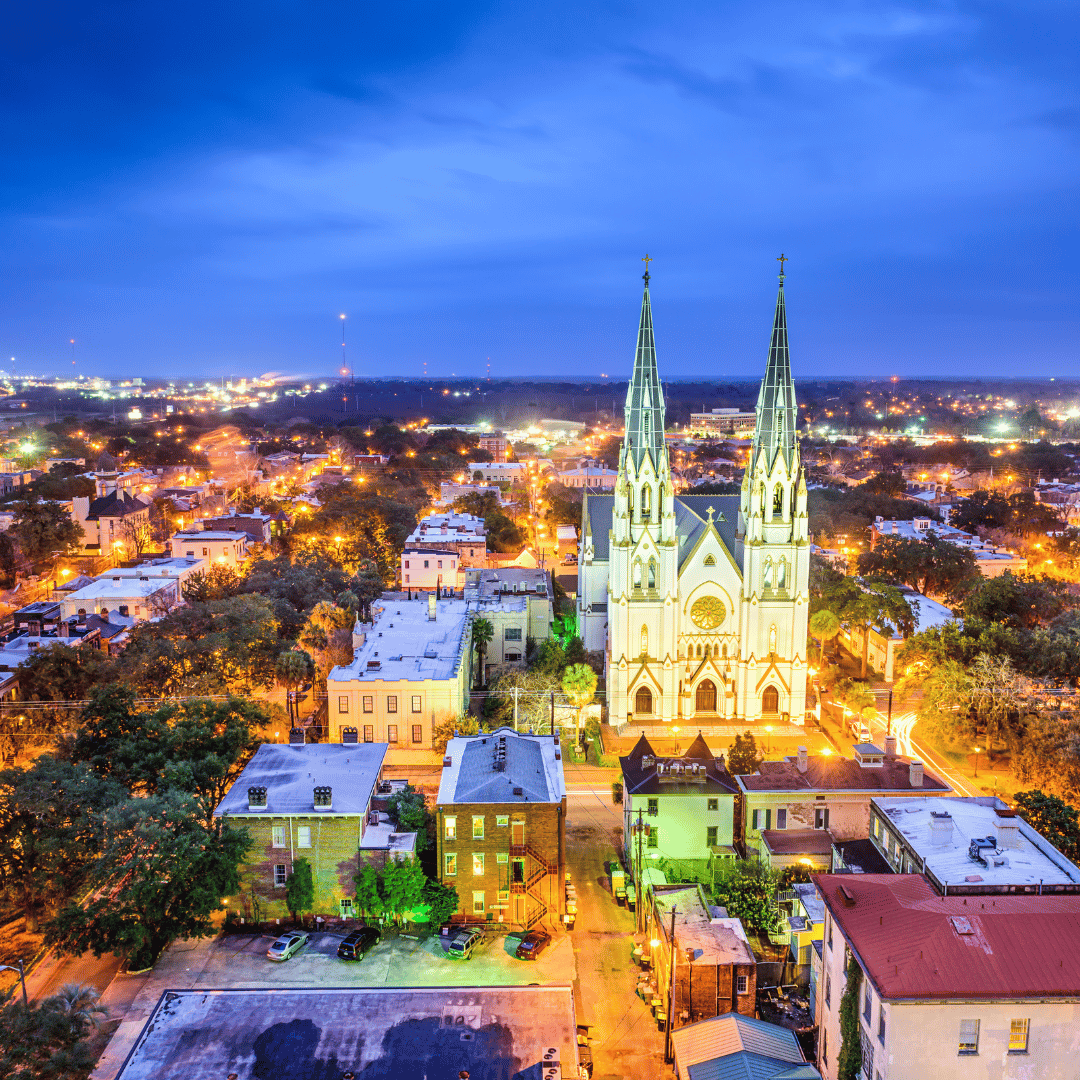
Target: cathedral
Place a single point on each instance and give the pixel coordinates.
(700, 602)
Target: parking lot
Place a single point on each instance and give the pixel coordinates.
(239, 961)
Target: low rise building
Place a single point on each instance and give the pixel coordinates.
(795, 808)
(430, 569)
(736, 1046)
(464, 533)
(303, 801)
(259, 527)
(533, 584)
(719, 422)
(219, 547)
(497, 472)
(120, 599)
(180, 569)
(589, 476)
(969, 846)
(714, 968)
(948, 986)
(115, 522)
(497, 446)
(412, 667)
(684, 803)
(501, 826)
(449, 491)
(991, 560)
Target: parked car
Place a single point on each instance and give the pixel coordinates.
(462, 944)
(359, 943)
(287, 945)
(860, 732)
(532, 945)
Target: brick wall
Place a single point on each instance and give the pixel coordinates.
(544, 833)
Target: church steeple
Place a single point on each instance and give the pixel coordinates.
(777, 414)
(644, 398)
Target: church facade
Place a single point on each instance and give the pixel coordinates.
(700, 602)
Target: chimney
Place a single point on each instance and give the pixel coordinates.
(431, 607)
(915, 774)
(801, 762)
(890, 747)
(323, 798)
(1008, 830)
(256, 798)
(941, 828)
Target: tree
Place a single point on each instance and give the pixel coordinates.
(49, 1040)
(579, 686)
(44, 528)
(824, 625)
(160, 876)
(62, 672)
(854, 695)
(409, 813)
(8, 565)
(748, 891)
(300, 888)
(442, 901)
(931, 566)
(369, 897)
(482, 632)
(368, 585)
(1053, 818)
(48, 832)
(137, 533)
(327, 635)
(217, 583)
(402, 886)
(550, 658)
(744, 757)
(878, 606)
(447, 726)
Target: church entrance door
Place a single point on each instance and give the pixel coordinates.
(705, 699)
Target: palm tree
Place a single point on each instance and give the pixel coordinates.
(824, 625)
(579, 686)
(294, 668)
(80, 1004)
(483, 632)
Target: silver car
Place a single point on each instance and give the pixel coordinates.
(287, 945)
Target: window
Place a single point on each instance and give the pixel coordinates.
(969, 1036)
(881, 1024)
(406, 576)
(345, 906)
(303, 836)
(654, 837)
(828, 990)
(369, 703)
(513, 633)
(742, 984)
(391, 703)
(828, 929)
(821, 817)
(279, 875)
(867, 1054)
(416, 703)
(824, 1046)
(478, 864)
(478, 903)
(762, 819)
(1018, 1036)
(391, 732)
(781, 818)
(868, 998)
(343, 703)
(502, 856)
(450, 864)
(710, 836)
(440, 564)
(406, 566)
(190, 554)
(426, 564)
(654, 807)
(713, 804)
(123, 610)
(450, 828)
(277, 833)
(502, 821)
(206, 551)
(417, 733)
(369, 733)
(478, 827)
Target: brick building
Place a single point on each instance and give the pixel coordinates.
(309, 801)
(501, 827)
(715, 969)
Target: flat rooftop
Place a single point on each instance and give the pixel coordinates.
(290, 775)
(716, 940)
(1033, 860)
(404, 645)
(492, 1033)
(159, 568)
(122, 587)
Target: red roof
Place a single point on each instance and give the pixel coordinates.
(913, 943)
(833, 773)
(797, 841)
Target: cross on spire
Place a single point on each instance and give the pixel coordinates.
(648, 259)
(781, 260)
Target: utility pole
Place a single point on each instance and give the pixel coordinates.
(637, 876)
(515, 708)
(671, 991)
(553, 712)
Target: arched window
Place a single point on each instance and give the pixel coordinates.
(637, 574)
(767, 577)
(772, 639)
(700, 652)
(725, 650)
(652, 574)
(709, 560)
(778, 501)
(781, 573)
(644, 641)
(643, 701)
(646, 503)
(770, 700)
(705, 699)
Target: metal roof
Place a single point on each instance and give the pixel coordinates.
(734, 1047)
(504, 766)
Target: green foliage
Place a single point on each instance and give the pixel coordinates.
(796, 874)
(478, 503)
(217, 583)
(849, 1059)
(441, 901)
(579, 684)
(748, 890)
(369, 898)
(931, 566)
(744, 757)
(503, 534)
(327, 636)
(61, 673)
(445, 727)
(1019, 513)
(1053, 818)
(409, 813)
(294, 668)
(550, 658)
(160, 876)
(824, 625)
(834, 513)
(50, 1039)
(44, 528)
(300, 888)
(1017, 602)
(8, 563)
(403, 883)
(482, 632)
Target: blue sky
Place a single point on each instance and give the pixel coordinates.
(203, 188)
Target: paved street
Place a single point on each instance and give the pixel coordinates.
(628, 1043)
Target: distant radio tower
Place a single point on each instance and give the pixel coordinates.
(72, 352)
(489, 369)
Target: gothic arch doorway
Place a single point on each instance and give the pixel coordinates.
(705, 699)
(770, 700)
(643, 701)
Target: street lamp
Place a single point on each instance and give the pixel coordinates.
(768, 740)
(978, 751)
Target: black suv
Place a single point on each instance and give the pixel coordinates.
(357, 944)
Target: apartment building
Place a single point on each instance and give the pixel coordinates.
(465, 534)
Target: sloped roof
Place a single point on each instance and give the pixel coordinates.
(639, 780)
(797, 841)
(737, 1047)
(115, 504)
(505, 766)
(914, 943)
(834, 773)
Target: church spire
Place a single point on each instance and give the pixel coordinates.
(777, 414)
(644, 399)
